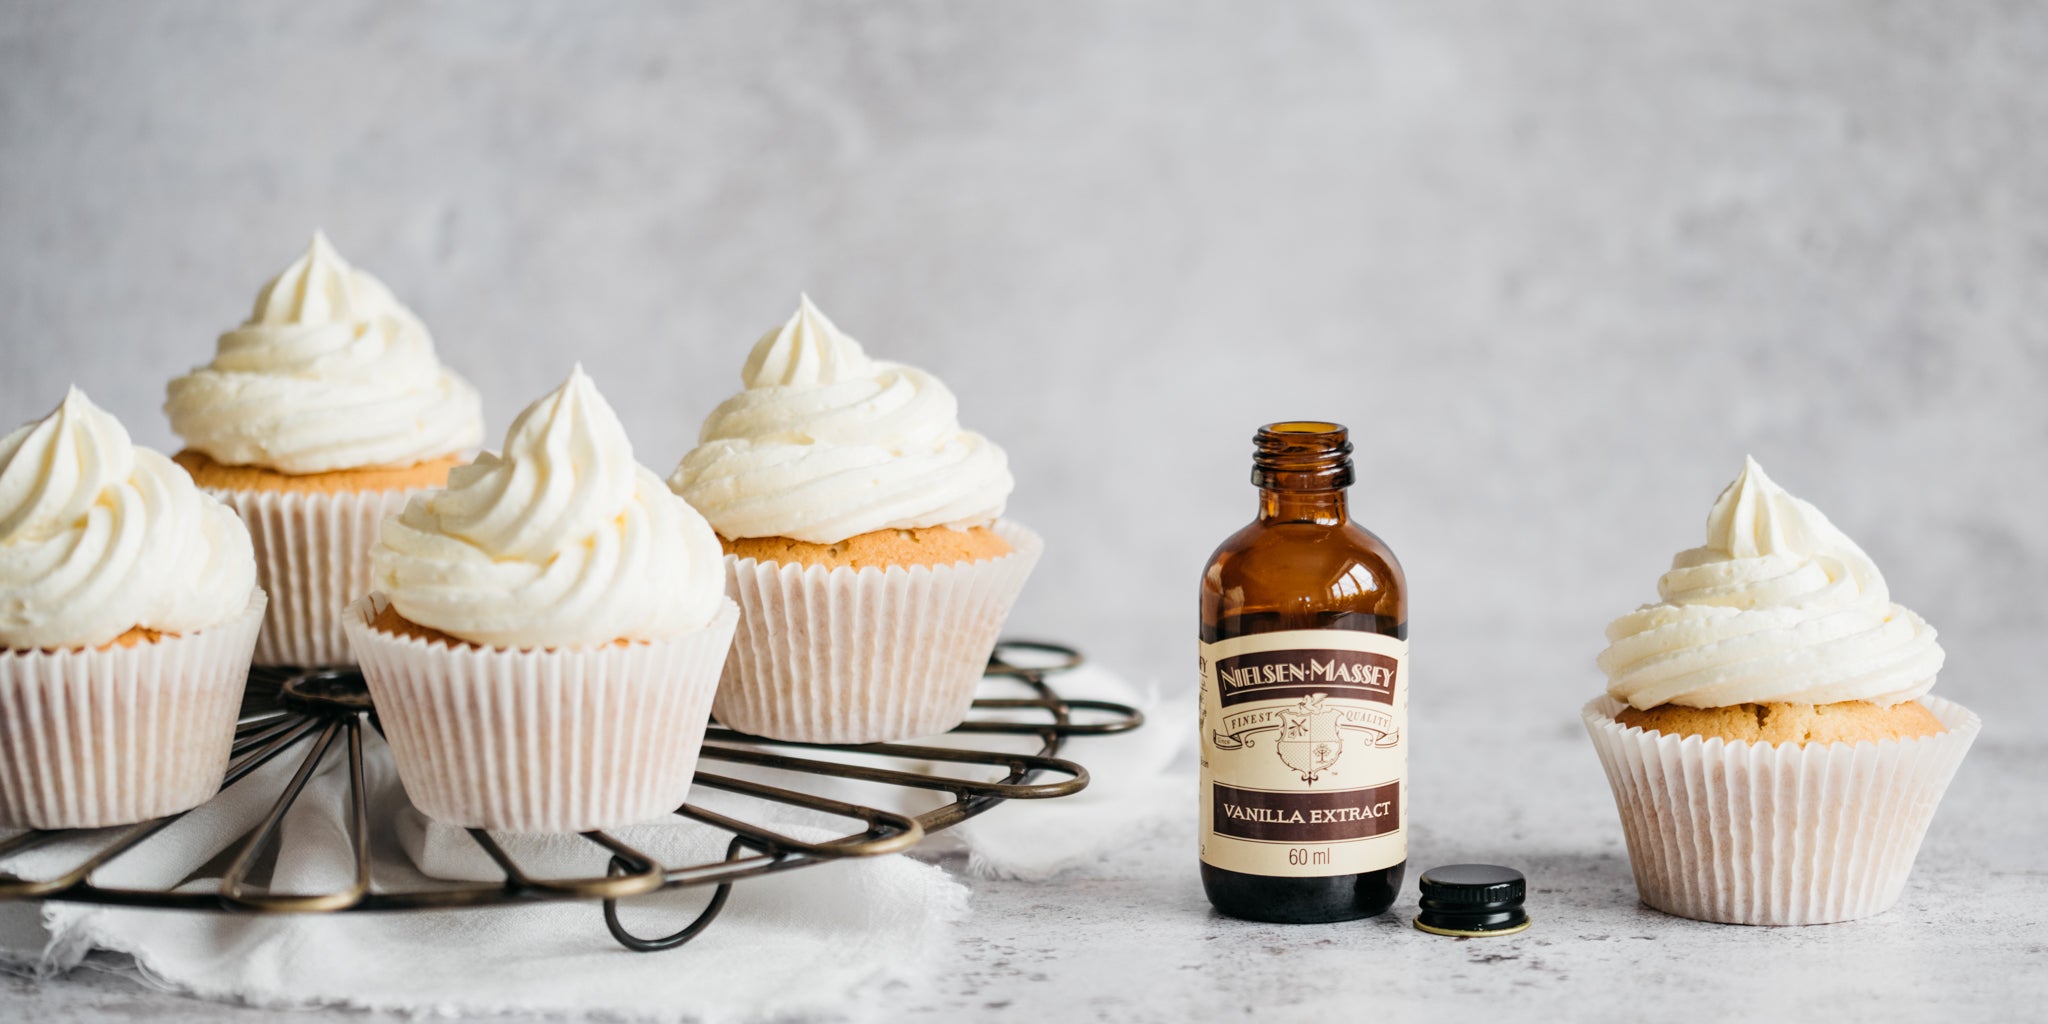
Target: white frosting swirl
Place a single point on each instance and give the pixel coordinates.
(826, 443)
(329, 373)
(1778, 606)
(98, 537)
(562, 540)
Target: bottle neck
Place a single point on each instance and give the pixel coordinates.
(1324, 508)
(1301, 468)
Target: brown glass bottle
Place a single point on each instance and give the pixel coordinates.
(1304, 697)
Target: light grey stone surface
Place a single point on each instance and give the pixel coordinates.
(1560, 266)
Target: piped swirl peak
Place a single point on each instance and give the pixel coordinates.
(320, 288)
(1777, 606)
(53, 471)
(1753, 517)
(560, 539)
(806, 351)
(566, 470)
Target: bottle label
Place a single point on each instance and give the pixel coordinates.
(1304, 752)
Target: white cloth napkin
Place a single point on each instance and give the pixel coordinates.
(816, 942)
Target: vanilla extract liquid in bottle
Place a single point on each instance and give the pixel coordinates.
(1304, 721)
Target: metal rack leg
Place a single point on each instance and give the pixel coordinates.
(689, 931)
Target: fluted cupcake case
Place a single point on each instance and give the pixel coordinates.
(844, 655)
(313, 558)
(91, 738)
(1755, 833)
(555, 740)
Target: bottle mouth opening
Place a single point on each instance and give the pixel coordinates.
(1309, 427)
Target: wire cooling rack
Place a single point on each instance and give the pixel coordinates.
(324, 710)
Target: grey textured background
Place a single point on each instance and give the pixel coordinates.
(1558, 265)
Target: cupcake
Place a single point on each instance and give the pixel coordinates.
(546, 632)
(1766, 729)
(863, 537)
(316, 419)
(128, 610)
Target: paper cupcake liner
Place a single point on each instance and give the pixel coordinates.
(93, 738)
(845, 655)
(560, 740)
(1751, 833)
(313, 559)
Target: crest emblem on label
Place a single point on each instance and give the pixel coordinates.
(1309, 741)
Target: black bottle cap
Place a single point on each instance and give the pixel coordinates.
(1472, 900)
